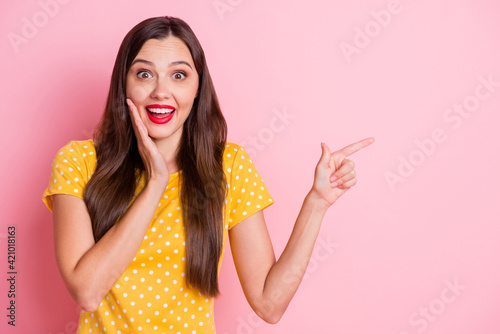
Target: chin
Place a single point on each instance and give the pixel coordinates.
(159, 134)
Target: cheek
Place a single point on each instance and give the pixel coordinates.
(188, 95)
(134, 90)
(137, 93)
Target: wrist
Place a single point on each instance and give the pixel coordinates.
(157, 184)
(317, 201)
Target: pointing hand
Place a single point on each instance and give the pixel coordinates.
(334, 173)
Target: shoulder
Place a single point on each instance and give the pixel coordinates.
(232, 151)
(232, 147)
(238, 162)
(75, 147)
(72, 167)
(79, 153)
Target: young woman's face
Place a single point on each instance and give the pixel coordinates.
(163, 82)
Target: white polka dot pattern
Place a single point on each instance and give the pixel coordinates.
(248, 191)
(151, 296)
(71, 169)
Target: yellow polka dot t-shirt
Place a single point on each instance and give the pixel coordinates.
(151, 296)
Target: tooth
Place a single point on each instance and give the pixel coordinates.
(161, 110)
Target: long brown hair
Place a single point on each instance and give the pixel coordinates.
(199, 157)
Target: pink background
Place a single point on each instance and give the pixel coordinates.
(387, 252)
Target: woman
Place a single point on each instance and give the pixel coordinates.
(154, 197)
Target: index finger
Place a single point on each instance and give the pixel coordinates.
(136, 119)
(134, 114)
(131, 107)
(353, 148)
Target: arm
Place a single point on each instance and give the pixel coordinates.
(270, 285)
(90, 269)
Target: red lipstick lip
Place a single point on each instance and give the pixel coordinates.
(163, 120)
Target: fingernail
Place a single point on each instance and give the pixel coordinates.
(334, 184)
(333, 178)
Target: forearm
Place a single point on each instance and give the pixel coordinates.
(286, 274)
(104, 263)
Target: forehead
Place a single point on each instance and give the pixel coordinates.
(167, 49)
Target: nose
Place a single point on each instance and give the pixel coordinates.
(162, 89)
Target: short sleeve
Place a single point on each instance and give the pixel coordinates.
(248, 191)
(69, 172)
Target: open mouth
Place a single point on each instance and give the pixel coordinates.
(160, 114)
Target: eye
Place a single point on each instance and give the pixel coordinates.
(144, 74)
(179, 75)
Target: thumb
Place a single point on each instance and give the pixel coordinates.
(325, 154)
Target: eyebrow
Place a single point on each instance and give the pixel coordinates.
(178, 62)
